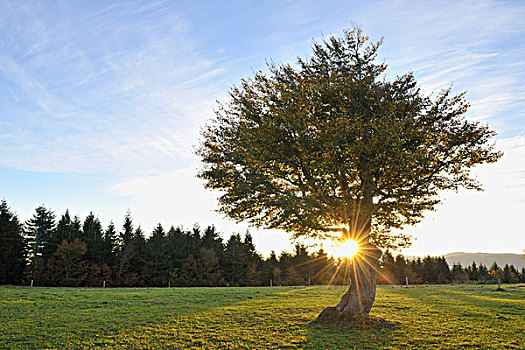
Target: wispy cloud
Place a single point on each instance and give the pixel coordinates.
(475, 45)
(135, 76)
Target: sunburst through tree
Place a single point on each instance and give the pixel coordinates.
(330, 148)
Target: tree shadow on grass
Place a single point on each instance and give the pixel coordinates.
(372, 333)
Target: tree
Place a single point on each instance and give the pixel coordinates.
(497, 274)
(67, 267)
(12, 247)
(157, 257)
(67, 229)
(234, 263)
(93, 236)
(110, 245)
(330, 148)
(125, 253)
(39, 231)
(127, 230)
(209, 271)
(138, 263)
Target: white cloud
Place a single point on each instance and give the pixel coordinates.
(140, 84)
(475, 45)
(179, 198)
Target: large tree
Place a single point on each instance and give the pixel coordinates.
(330, 148)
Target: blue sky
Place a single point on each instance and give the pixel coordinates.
(101, 102)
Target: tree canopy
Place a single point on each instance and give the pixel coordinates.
(329, 147)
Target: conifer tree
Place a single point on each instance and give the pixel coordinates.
(234, 263)
(126, 235)
(93, 236)
(157, 257)
(176, 243)
(12, 247)
(67, 229)
(38, 230)
(212, 240)
(110, 249)
(138, 263)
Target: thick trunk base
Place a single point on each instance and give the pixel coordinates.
(356, 303)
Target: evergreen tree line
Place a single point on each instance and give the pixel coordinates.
(395, 270)
(72, 252)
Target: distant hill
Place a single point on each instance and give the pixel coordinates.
(486, 259)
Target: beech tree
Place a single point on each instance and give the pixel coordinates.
(330, 148)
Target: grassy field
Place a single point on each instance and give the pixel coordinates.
(421, 317)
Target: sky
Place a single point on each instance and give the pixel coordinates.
(101, 102)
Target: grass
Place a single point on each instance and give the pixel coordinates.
(421, 317)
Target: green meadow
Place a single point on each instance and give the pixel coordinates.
(418, 317)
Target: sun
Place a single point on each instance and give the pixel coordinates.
(346, 249)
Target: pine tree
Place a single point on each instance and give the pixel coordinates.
(234, 264)
(138, 263)
(194, 241)
(126, 235)
(110, 245)
(323, 268)
(212, 240)
(385, 270)
(429, 273)
(400, 271)
(459, 273)
(209, 270)
(176, 243)
(473, 273)
(12, 247)
(38, 231)
(483, 273)
(123, 267)
(444, 275)
(65, 231)
(157, 257)
(93, 236)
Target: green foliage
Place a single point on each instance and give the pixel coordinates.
(88, 257)
(157, 258)
(426, 317)
(330, 148)
(67, 229)
(68, 266)
(93, 235)
(126, 235)
(110, 245)
(40, 232)
(13, 250)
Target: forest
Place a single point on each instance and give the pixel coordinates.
(47, 250)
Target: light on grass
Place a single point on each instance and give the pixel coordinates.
(346, 249)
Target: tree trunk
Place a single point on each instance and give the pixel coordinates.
(357, 302)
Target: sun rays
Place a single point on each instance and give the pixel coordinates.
(342, 250)
(341, 261)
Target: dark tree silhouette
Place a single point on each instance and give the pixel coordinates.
(13, 250)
